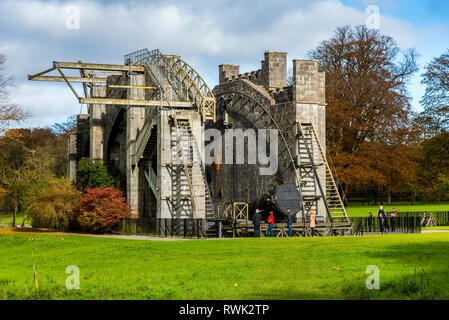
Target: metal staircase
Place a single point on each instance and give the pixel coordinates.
(311, 160)
(182, 78)
(189, 183)
(141, 147)
(176, 81)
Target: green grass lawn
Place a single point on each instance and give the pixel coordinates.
(6, 219)
(357, 210)
(411, 266)
(436, 228)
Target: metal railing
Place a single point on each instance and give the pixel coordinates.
(185, 228)
(183, 78)
(403, 223)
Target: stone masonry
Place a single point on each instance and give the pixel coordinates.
(303, 100)
(154, 186)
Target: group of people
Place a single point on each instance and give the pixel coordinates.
(383, 220)
(257, 219)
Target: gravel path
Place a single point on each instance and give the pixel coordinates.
(119, 236)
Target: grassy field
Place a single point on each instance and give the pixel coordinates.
(354, 210)
(357, 210)
(6, 219)
(411, 266)
(436, 228)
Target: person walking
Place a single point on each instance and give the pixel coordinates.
(312, 222)
(380, 218)
(393, 220)
(289, 222)
(370, 221)
(385, 219)
(257, 218)
(270, 221)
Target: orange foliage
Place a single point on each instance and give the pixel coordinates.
(369, 135)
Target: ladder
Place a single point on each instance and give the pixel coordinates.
(310, 147)
(191, 171)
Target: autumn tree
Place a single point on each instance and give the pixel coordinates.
(100, 209)
(434, 166)
(16, 184)
(51, 204)
(8, 110)
(368, 109)
(436, 97)
(28, 156)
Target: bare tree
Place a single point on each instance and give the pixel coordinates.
(8, 110)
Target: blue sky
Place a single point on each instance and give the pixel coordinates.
(205, 33)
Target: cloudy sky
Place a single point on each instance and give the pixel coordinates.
(33, 33)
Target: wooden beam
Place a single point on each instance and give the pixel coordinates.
(129, 87)
(82, 74)
(66, 80)
(41, 73)
(103, 73)
(144, 103)
(71, 79)
(98, 66)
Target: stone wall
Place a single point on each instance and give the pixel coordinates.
(271, 75)
(243, 182)
(304, 100)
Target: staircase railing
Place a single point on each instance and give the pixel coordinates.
(185, 75)
(144, 135)
(180, 145)
(204, 174)
(328, 170)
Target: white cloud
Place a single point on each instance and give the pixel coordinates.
(46, 102)
(206, 34)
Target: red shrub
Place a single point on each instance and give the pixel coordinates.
(99, 210)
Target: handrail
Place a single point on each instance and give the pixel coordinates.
(197, 89)
(145, 134)
(203, 173)
(201, 93)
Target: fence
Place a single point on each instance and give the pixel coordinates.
(186, 228)
(441, 218)
(403, 223)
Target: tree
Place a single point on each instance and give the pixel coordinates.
(95, 175)
(16, 184)
(52, 203)
(442, 187)
(64, 128)
(368, 109)
(27, 156)
(99, 210)
(436, 96)
(8, 111)
(434, 165)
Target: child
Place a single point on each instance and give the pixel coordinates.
(270, 221)
(312, 222)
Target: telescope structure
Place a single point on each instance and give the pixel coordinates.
(147, 120)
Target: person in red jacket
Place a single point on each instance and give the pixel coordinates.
(270, 221)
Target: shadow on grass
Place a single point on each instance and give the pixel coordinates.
(424, 276)
(419, 286)
(428, 281)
